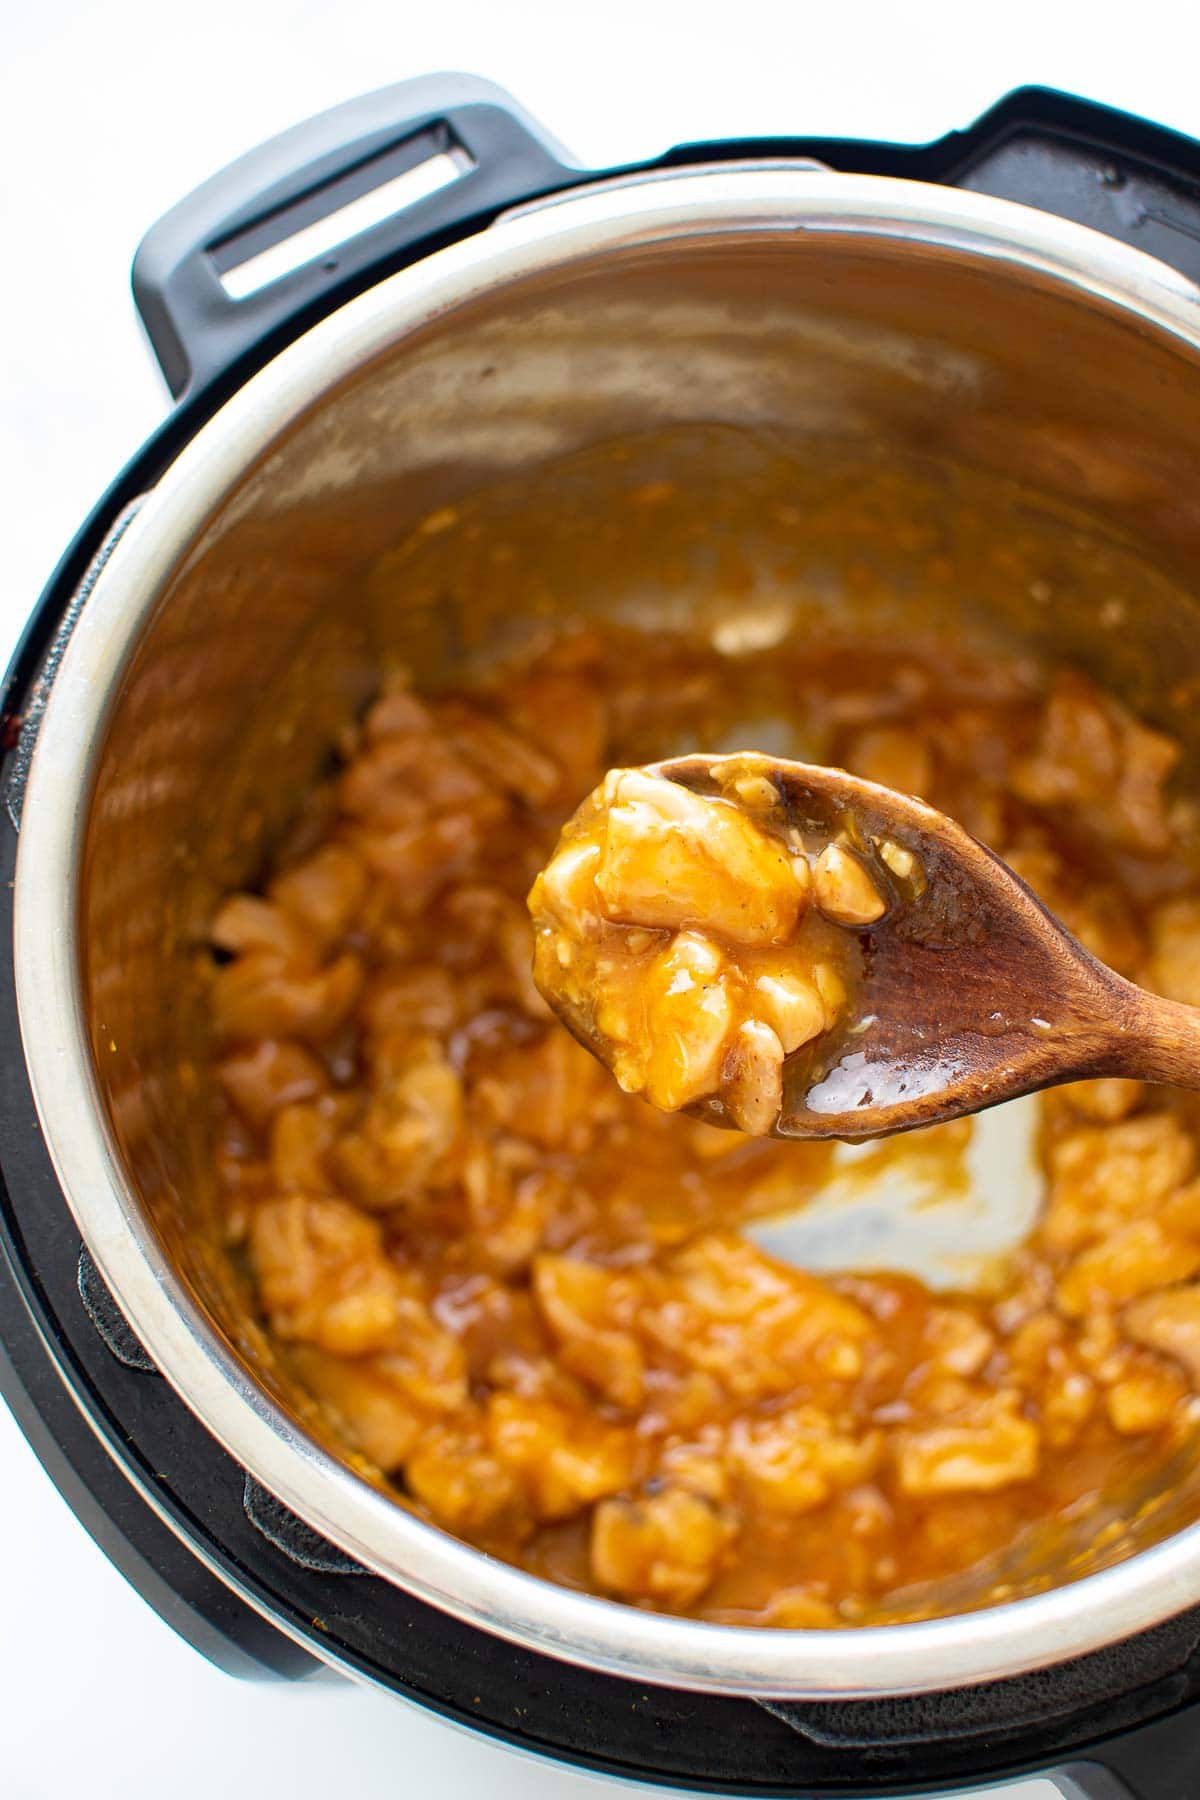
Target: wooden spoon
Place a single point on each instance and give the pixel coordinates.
(969, 993)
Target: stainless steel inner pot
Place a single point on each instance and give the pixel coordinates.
(235, 625)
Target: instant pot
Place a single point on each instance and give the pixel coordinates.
(1023, 295)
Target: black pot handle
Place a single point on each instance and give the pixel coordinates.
(192, 268)
(1093, 164)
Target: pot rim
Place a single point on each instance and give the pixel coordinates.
(570, 229)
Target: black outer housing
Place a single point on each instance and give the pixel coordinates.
(218, 1559)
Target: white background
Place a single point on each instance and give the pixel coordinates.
(108, 114)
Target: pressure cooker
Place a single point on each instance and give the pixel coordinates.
(335, 381)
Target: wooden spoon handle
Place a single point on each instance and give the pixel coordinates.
(1154, 1039)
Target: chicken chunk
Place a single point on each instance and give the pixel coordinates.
(752, 1077)
(672, 858)
(1174, 968)
(689, 1017)
(323, 1275)
(897, 759)
(262, 995)
(1168, 1322)
(792, 1461)
(374, 1410)
(1145, 1397)
(1093, 756)
(1105, 1176)
(1107, 1100)
(267, 1075)
(564, 1462)
(324, 892)
(759, 1327)
(592, 1313)
(1130, 1262)
(989, 1445)
(454, 1474)
(844, 890)
(664, 1546)
(407, 1131)
(325, 1279)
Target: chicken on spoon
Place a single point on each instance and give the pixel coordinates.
(787, 949)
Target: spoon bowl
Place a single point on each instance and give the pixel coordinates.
(968, 991)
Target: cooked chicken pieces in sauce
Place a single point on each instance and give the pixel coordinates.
(695, 941)
(522, 1298)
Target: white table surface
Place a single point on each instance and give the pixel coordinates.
(108, 113)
